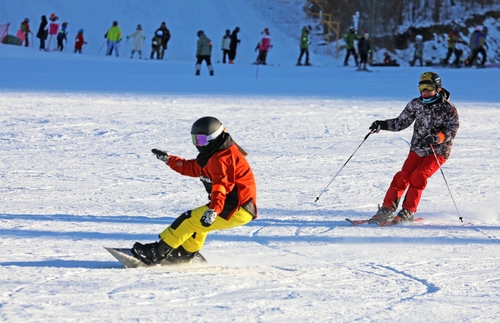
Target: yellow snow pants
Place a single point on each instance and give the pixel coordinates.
(187, 231)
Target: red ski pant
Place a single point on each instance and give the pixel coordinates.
(412, 176)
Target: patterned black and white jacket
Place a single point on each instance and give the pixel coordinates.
(440, 116)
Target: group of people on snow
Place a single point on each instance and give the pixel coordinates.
(51, 29)
(51, 33)
(230, 183)
(477, 45)
(363, 48)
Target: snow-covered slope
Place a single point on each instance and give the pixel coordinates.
(77, 174)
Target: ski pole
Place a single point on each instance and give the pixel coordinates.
(101, 47)
(366, 137)
(442, 173)
(257, 71)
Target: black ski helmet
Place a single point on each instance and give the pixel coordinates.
(431, 78)
(207, 126)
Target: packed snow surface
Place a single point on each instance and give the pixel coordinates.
(78, 175)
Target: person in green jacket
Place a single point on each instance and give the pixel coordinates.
(350, 47)
(203, 52)
(304, 46)
(114, 36)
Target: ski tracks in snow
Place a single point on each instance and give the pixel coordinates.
(429, 287)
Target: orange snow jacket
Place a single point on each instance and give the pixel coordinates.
(228, 179)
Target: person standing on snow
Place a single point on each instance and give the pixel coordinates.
(79, 41)
(435, 126)
(203, 52)
(233, 45)
(156, 44)
(363, 50)
(225, 45)
(137, 41)
(165, 37)
(229, 181)
(472, 46)
(349, 39)
(114, 36)
(479, 46)
(25, 28)
(42, 32)
(53, 29)
(263, 47)
(453, 39)
(62, 36)
(419, 51)
(304, 46)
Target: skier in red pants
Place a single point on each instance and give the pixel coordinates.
(436, 124)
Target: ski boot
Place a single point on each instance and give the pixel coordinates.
(403, 215)
(383, 215)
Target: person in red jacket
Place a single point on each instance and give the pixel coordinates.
(263, 47)
(229, 181)
(79, 41)
(53, 29)
(25, 28)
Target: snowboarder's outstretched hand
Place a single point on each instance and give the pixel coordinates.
(378, 125)
(208, 218)
(161, 155)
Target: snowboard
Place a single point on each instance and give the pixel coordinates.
(128, 260)
(380, 224)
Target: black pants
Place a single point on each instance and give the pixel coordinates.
(232, 54)
(415, 59)
(225, 52)
(200, 59)
(363, 58)
(348, 53)
(261, 59)
(42, 43)
(302, 51)
(26, 39)
(474, 54)
(449, 53)
(60, 44)
(157, 50)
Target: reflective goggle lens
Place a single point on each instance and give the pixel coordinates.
(425, 87)
(199, 140)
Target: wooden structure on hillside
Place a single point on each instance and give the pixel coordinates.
(314, 8)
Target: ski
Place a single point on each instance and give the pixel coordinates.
(357, 222)
(380, 224)
(391, 223)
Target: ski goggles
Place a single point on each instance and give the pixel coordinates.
(426, 86)
(202, 140)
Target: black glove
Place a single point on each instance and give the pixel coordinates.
(431, 139)
(378, 125)
(208, 218)
(161, 155)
